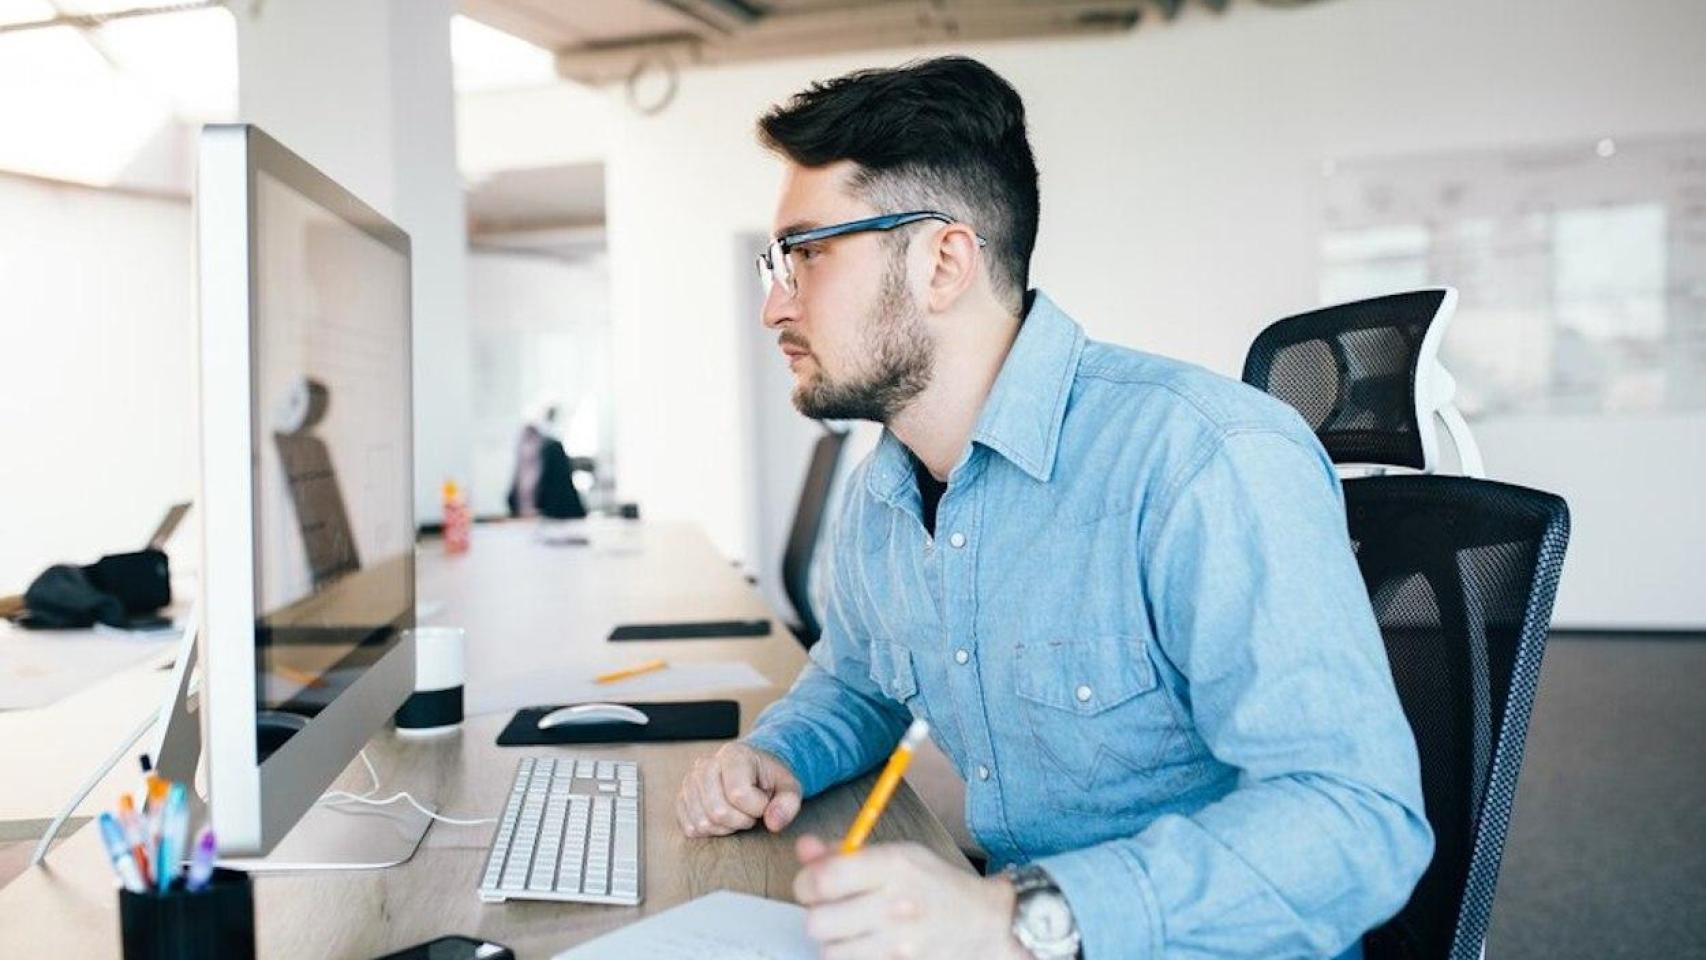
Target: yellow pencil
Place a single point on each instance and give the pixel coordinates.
(632, 671)
(866, 821)
(298, 676)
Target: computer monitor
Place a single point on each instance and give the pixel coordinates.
(308, 580)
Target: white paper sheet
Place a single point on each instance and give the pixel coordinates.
(679, 679)
(718, 926)
(40, 667)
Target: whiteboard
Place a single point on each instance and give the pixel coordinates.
(1581, 267)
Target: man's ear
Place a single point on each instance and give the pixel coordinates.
(956, 265)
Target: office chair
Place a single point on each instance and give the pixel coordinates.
(327, 537)
(1461, 572)
(1366, 376)
(803, 536)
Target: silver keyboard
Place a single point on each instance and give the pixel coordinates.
(569, 831)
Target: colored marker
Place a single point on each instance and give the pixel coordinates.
(119, 853)
(174, 830)
(201, 861)
(135, 835)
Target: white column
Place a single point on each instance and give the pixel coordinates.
(363, 90)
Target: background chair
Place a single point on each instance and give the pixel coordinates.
(803, 535)
(1461, 571)
(327, 538)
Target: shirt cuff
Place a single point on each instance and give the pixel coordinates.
(1112, 902)
(795, 755)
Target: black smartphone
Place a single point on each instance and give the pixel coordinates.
(453, 948)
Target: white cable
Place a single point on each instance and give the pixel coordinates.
(88, 786)
(343, 796)
(339, 796)
(181, 659)
(371, 773)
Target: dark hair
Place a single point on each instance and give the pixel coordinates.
(945, 134)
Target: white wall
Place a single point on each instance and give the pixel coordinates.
(97, 359)
(1179, 172)
(362, 90)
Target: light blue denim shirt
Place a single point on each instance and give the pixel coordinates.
(1140, 635)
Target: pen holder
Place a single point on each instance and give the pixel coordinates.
(216, 922)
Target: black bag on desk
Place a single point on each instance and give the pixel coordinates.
(111, 591)
(63, 598)
(688, 720)
(142, 581)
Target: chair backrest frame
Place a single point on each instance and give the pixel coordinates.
(806, 531)
(1430, 388)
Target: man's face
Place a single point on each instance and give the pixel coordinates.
(852, 332)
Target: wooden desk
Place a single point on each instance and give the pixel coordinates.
(530, 609)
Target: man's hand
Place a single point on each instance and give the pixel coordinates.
(733, 789)
(898, 900)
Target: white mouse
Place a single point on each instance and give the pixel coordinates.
(592, 713)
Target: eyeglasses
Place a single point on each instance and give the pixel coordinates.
(776, 267)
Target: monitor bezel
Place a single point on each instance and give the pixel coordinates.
(255, 803)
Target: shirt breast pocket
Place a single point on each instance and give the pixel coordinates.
(891, 671)
(1097, 717)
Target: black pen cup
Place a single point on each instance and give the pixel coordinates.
(216, 922)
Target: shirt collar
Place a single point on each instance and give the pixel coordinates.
(1022, 417)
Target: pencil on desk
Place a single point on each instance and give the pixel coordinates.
(886, 782)
(294, 675)
(633, 671)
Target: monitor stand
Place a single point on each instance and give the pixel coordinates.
(344, 836)
(330, 836)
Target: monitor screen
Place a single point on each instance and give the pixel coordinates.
(332, 445)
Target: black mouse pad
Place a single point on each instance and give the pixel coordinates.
(691, 631)
(686, 720)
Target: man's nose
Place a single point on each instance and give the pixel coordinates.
(779, 306)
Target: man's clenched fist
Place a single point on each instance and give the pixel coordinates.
(733, 789)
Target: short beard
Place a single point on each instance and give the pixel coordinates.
(900, 355)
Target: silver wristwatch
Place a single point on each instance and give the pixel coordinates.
(1042, 919)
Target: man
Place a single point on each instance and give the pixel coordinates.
(1119, 587)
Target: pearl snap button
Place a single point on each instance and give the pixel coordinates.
(982, 772)
(1083, 693)
(957, 540)
(961, 656)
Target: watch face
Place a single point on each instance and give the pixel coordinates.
(1048, 917)
(1053, 918)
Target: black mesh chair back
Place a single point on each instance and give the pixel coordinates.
(1353, 371)
(803, 535)
(327, 538)
(1462, 573)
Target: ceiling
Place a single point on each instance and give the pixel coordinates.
(617, 39)
(512, 201)
(553, 211)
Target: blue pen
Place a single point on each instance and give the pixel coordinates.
(201, 861)
(174, 827)
(119, 853)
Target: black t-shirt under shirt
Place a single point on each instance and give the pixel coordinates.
(930, 492)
